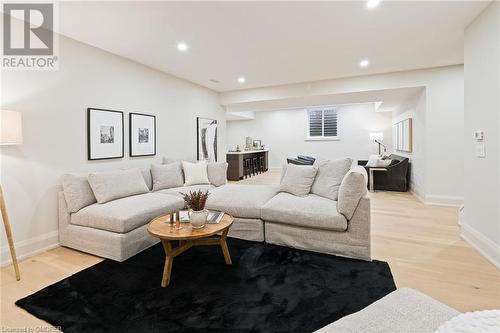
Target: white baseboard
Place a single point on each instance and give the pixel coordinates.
(437, 200)
(444, 200)
(482, 244)
(416, 190)
(30, 247)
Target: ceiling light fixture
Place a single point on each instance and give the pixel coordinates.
(242, 79)
(364, 63)
(370, 4)
(183, 47)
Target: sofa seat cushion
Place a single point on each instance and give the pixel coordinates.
(186, 189)
(310, 211)
(126, 214)
(243, 201)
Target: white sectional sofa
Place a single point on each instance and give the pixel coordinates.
(402, 311)
(112, 223)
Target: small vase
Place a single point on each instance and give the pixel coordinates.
(198, 218)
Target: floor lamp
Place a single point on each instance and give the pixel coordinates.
(11, 133)
(378, 137)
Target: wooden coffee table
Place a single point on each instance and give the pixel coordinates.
(210, 234)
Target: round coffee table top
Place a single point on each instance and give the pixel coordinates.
(160, 227)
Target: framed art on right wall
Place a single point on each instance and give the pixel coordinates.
(402, 133)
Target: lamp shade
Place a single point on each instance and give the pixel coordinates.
(11, 128)
(379, 136)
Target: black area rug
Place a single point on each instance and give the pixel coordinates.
(267, 289)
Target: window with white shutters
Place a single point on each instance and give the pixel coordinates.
(322, 123)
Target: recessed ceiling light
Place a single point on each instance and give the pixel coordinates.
(370, 4)
(242, 79)
(183, 47)
(364, 63)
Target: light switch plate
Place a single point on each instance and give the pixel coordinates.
(480, 150)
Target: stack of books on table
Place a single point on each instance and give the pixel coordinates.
(214, 216)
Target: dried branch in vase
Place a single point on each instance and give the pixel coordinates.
(195, 200)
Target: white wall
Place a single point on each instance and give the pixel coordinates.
(283, 132)
(54, 106)
(415, 109)
(444, 109)
(481, 225)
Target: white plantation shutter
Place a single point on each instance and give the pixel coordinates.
(322, 123)
(316, 123)
(330, 122)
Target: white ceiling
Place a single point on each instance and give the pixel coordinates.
(272, 43)
(386, 100)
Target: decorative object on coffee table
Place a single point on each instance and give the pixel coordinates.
(142, 134)
(206, 139)
(188, 237)
(196, 203)
(175, 220)
(104, 134)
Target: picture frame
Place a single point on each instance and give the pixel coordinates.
(142, 134)
(257, 144)
(105, 134)
(206, 138)
(402, 132)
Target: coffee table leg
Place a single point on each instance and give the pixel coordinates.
(225, 249)
(169, 258)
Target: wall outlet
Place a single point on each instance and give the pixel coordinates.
(480, 150)
(479, 135)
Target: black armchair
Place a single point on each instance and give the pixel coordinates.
(396, 178)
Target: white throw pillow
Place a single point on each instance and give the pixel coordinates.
(383, 163)
(376, 161)
(118, 184)
(372, 161)
(329, 177)
(217, 173)
(195, 173)
(77, 192)
(167, 176)
(298, 179)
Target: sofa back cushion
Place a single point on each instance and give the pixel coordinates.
(298, 179)
(111, 185)
(352, 189)
(195, 173)
(329, 176)
(217, 173)
(77, 192)
(167, 176)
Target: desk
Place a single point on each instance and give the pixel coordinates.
(235, 162)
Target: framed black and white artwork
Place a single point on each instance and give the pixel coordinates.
(207, 139)
(104, 134)
(142, 134)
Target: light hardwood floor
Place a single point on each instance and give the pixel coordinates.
(420, 242)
